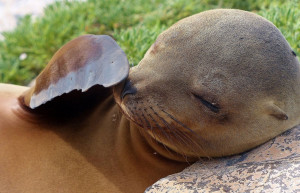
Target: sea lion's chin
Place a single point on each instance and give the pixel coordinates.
(160, 128)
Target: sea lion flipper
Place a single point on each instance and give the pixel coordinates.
(80, 64)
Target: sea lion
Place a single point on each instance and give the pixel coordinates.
(232, 81)
(214, 84)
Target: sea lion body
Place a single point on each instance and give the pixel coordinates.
(215, 84)
(81, 155)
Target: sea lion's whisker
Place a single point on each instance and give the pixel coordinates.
(174, 134)
(158, 126)
(194, 146)
(173, 131)
(178, 137)
(179, 122)
(142, 131)
(150, 127)
(181, 137)
(184, 134)
(184, 126)
(140, 119)
(147, 122)
(190, 143)
(161, 129)
(167, 125)
(135, 116)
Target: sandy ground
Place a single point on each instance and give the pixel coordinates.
(11, 10)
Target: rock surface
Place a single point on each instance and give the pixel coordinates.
(260, 170)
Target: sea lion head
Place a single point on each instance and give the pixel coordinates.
(214, 84)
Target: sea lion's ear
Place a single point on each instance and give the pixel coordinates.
(276, 112)
(80, 64)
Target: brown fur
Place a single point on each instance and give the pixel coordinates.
(94, 152)
(236, 61)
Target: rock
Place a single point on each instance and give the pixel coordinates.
(272, 167)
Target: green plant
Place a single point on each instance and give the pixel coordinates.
(134, 24)
(286, 18)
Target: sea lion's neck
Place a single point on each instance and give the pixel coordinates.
(157, 148)
(132, 154)
(142, 144)
(115, 146)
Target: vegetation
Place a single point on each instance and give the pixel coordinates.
(134, 24)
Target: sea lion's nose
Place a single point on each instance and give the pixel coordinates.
(128, 89)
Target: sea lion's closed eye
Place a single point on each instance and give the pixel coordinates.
(210, 105)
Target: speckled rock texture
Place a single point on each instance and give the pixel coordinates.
(272, 167)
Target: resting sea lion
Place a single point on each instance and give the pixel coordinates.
(214, 84)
